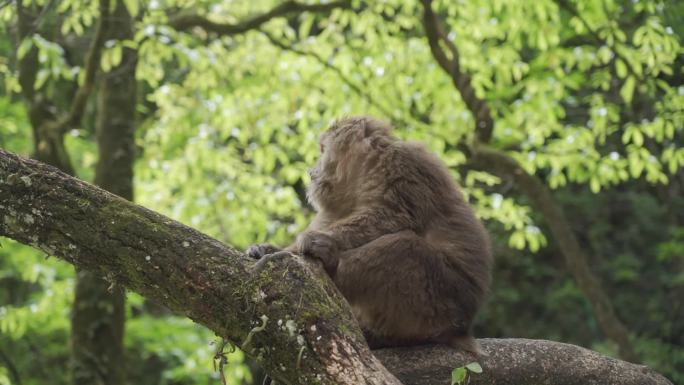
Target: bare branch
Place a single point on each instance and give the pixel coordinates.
(185, 22)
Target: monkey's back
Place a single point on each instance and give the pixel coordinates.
(423, 186)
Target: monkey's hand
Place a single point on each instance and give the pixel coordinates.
(259, 250)
(319, 245)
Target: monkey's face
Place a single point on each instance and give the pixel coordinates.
(324, 174)
(332, 177)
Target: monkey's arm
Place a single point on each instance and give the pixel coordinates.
(404, 205)
(368, 225)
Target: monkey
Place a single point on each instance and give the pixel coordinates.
(396, 236)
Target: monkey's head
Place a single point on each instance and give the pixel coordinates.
(348, 148)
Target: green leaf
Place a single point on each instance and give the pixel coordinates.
(458, 375)
(116, 55)
(638, 137)
(594, 185)
(106, 61)
(305, 27)
(636, 166)
(627, 90)
(133, 7)
(517, 240)
(24, 47)
(41, 78)
(474, 367)
(620, 68)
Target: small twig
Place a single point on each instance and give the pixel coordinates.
(92, 63)
(355, 87)
(221, 356)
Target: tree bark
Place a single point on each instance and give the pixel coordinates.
(517, 362)
(288, 315)
(98, 314)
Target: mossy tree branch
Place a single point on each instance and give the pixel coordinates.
(309, 335)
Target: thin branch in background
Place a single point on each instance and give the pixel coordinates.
(434, 29)
(188, 21)
(8, 363)
(346, 80)
(326, 63)
(92, 64)
(38, 21)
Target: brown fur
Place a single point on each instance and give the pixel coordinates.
(396, 236)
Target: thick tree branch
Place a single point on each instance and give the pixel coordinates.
(40, 110)
(517, 362)
(188, 21)
(289, 317)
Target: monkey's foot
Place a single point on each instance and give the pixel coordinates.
(261, 263)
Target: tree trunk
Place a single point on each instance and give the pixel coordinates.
(289, 315)
(98, 315)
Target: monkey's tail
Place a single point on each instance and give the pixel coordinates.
(467, 343)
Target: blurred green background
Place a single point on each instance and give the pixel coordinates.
(588, 95)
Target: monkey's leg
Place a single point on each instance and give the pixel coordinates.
(400, 290)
